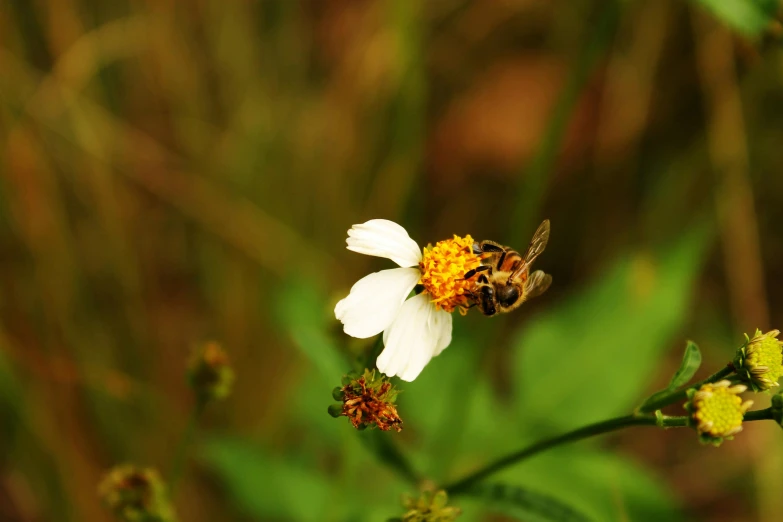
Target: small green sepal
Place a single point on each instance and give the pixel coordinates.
(335, 410)
(338, 394)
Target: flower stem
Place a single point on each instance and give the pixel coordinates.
(764, 414)
(599, 428)
(572, 436)
(681, 395)
(181, 451)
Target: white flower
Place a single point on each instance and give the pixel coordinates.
(417, 329)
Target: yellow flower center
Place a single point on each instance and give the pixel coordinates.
(765, 360)
(443, 268)
(719, 410)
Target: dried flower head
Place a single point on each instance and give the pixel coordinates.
(136, 494)
(431, 506)
(368, 401)
(210, 373)
(717, 410)
(759, 362)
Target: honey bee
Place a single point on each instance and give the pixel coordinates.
(504, 280)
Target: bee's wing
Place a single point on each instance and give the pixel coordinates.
(537, 245)
(537, 284)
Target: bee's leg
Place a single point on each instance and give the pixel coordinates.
(471, 273)
(463, 310)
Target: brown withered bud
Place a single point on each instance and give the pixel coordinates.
(136, 494)
(210, 373)
(368, 401)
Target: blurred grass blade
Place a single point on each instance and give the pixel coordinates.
(532, 184)
(750, 17)
(11, 399)
(525, 504)
(691, 360)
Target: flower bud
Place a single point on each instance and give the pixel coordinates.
(717, 411)
(759, 362)
(210, 373)
(431, 506)
(136, 494)
(368, 401)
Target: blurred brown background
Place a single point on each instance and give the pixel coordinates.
(170, 170)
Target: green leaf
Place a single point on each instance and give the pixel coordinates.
(303, 313)
(525, 504)
(751, 17)
(592, 357)
(691, 360)
(264, 486)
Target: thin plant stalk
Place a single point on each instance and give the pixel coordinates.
(181, 451)
(591, 430)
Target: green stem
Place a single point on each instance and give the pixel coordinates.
(590, 430)
(765, 414)
(681, 395)
(181, 451)
(572, 436)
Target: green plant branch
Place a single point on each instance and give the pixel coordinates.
(181, 451)
(599, 428)
(682, 394)
(765, 414)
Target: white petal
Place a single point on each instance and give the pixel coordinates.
(414, 337)
(384, 238)
(442, 325)
(374, 301)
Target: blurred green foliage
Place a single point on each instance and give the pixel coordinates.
(174, 172)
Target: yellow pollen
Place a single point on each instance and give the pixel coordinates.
(719, 410)
(442, 268)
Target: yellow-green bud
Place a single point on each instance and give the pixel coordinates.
(136, 494)
(717, 411)
(431, 506)
(759, 362)
(210, 373)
